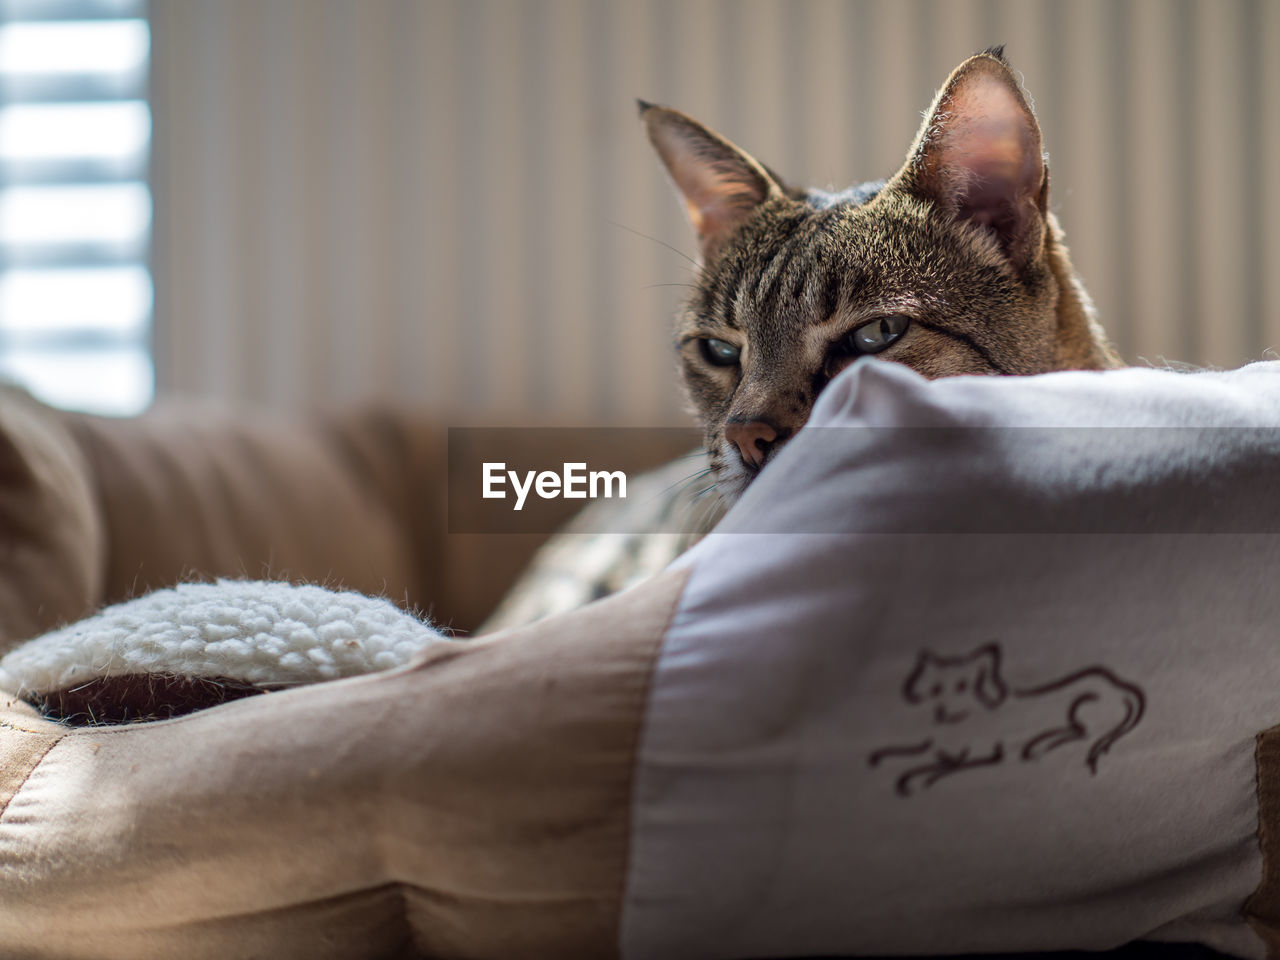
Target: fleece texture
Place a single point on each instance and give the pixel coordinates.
(257, 632)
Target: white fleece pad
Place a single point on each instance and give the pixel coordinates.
(253, 631)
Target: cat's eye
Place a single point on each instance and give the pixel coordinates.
(878, 334)
(719, 353)
(864, 340)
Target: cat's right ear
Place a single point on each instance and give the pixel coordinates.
(989, 685)
(979, 157)
(721, 184)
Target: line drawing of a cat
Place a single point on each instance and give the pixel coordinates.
(979, 720)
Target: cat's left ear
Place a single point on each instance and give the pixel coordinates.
(721, 184)
(979, 157)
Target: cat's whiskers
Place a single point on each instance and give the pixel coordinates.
(663, 243)
(699, 494)
(707, 509)
(701, 491)
(684, 481)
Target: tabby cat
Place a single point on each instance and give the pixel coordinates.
(952, 266)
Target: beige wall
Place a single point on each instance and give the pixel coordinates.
(416, 198)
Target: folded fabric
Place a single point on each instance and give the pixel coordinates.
(472, 804)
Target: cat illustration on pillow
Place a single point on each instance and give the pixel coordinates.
(979, 720)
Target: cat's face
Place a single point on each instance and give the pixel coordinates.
(953, 266)
(953, 689)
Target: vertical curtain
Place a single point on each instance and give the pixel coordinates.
(450, 202)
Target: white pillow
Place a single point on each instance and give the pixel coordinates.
(860, 729)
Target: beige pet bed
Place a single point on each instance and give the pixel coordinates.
(978, 665)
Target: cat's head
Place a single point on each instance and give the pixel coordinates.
(954, 688)
(952, 266)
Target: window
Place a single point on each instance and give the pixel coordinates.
(75, 207)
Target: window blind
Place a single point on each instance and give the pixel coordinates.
(75, 206)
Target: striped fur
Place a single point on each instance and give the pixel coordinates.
(960, 241)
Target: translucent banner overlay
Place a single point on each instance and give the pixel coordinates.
(871, 480)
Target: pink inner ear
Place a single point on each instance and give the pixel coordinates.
(989, 149)
(721, 199)
(719, 190)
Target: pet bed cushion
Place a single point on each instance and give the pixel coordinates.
(984, 664)
(471, 805)
(214, 641)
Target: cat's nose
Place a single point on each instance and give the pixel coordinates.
(753, 438)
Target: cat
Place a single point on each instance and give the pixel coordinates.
(954, 265)
(978, 720)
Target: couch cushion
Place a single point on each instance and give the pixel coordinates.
(192, 493)
(51, 563)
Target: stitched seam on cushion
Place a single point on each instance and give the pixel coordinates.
(629, 832)
(4, 807)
